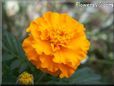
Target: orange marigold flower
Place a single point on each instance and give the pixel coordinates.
(56, 44)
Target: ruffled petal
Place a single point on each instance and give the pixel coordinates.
(52, 18)
(42, 47)
(47, 63)
(30, 51)
(65, 71)
(80, 45)
(66, 56)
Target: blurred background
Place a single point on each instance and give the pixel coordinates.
(98, 68)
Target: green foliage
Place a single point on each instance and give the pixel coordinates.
(81, 76)
(13, 56)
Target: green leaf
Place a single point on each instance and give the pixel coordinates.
(15, 64)
(18, 47)
(81, 76)
(22, 67)
(8, 41)
(13, 46)
(7, 57)
(84, 75)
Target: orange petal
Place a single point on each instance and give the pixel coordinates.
(52, 18)
(66, 56)
(30, 51)
(65, 71)
(80, 45)
(47, 63)
(42, 47)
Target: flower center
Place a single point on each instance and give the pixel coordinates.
(57, 37)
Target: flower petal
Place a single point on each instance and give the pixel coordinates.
(66, 56)
(30, 52)
(53, 18)
(66, 71)
(42, 47)
(47, 63)
(80, 45)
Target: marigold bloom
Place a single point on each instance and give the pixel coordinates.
(56, 44)
(25, 78)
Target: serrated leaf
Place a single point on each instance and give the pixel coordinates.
(15, 64)
(84, 75)
(8, 41)
(7, 57)
(17, 47)
(82, 71)
(13, 46)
